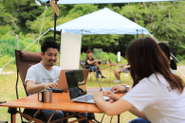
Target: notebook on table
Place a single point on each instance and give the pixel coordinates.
(77, 87)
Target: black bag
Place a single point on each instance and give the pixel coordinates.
(31, 112)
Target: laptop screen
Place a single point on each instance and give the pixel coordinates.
(76, 83)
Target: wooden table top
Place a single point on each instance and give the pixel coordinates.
(60, 101)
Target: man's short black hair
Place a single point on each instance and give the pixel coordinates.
(49, 44)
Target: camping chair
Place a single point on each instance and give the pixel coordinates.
(92, 73)
(24, 60)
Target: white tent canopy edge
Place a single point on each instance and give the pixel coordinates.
(103, 21)
(102, 1)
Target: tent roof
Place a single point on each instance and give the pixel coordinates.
(104, 1)
(104, 21)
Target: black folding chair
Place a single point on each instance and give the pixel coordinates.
(92, 72)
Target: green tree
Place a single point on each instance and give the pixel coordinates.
(162, 19)
(165, 20)
(5, 18)
(23, 10)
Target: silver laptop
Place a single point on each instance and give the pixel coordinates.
(77, 87)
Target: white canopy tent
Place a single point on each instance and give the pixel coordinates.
(104, 21)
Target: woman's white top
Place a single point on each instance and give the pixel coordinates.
(157, 100)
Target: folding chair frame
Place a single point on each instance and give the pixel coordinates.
(82, 63)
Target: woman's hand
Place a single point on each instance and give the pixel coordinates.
(114, 108)
(111, 95)
(121, 88)
(118, 88)
(98, 96)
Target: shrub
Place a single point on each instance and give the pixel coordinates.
(5, 59)
(5, 29)
(179, 57)
(105, 56)
(82, 56)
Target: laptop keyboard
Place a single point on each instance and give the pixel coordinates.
(86, 98)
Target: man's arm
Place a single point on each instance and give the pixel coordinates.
(32, 88)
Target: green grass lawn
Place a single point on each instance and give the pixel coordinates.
(7, 93)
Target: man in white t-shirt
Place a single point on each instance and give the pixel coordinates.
(45, 75)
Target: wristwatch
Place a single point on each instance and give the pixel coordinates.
(126, 88)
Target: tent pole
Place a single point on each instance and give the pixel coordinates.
(55, 22)
(137, 33)
(142, 34)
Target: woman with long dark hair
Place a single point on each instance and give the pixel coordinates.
(157, 94)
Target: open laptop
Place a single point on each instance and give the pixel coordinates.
(77, 87)
(62, 82)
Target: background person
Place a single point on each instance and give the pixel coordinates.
(157, 94)
(91, 63)
(166, 49)
(125, 68)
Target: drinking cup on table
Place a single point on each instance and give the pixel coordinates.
(46, 96)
